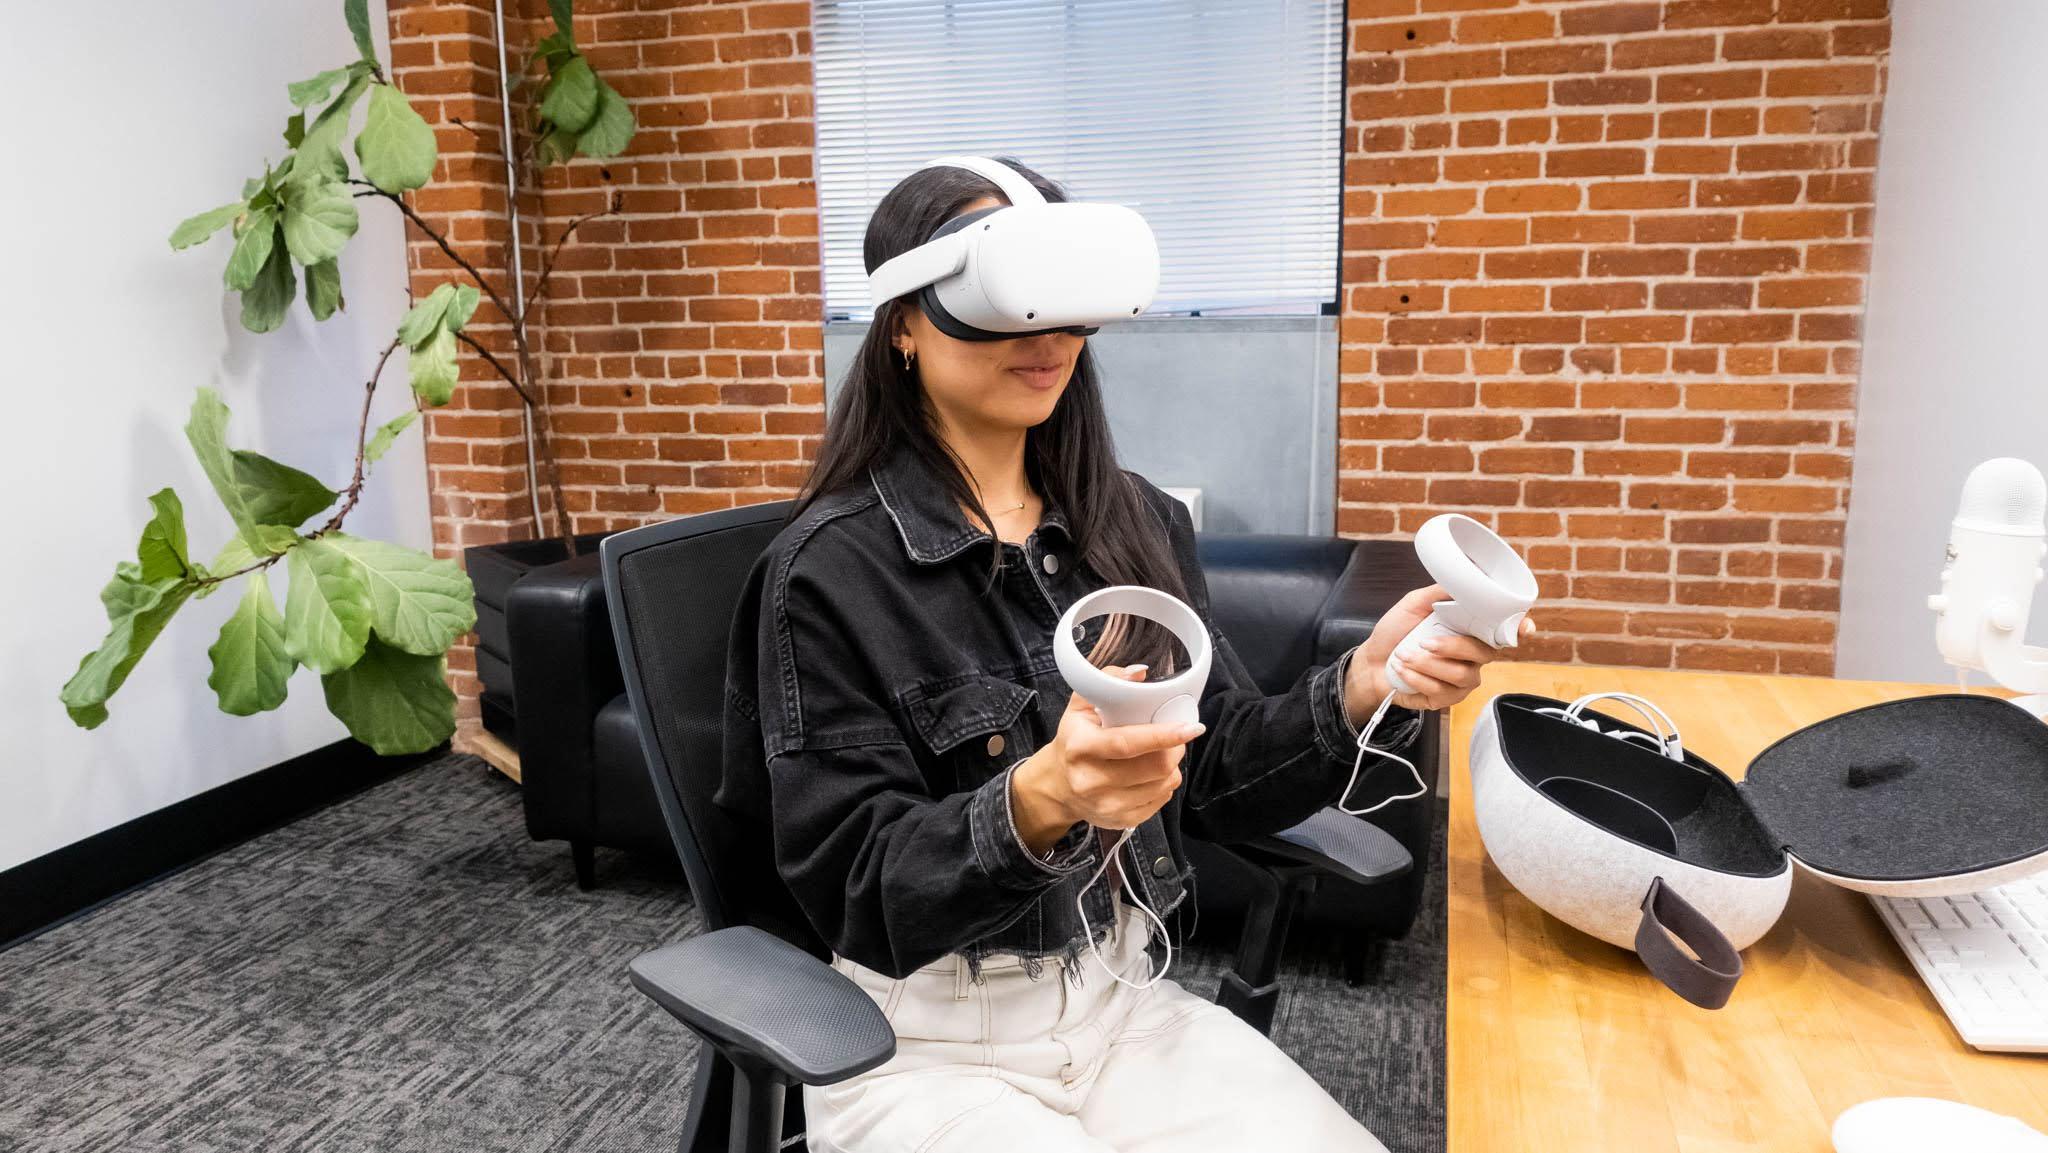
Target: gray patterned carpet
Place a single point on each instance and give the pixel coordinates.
(406, 973)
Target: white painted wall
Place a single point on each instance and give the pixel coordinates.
(1952, 372)
(150, 112)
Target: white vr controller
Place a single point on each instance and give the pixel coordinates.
(1491, 589)
(1175, 700)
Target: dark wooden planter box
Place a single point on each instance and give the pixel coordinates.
(494, 569)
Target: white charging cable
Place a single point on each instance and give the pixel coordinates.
(1088, 934)
(1666, 742)
(1358, 763)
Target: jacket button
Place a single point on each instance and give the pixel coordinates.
(1051, 564)
(1161, 867)
(995, 745)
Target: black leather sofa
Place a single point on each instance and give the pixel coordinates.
(1285, 602)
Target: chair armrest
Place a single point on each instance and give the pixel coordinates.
(1379, 573)
(763, 1001)
(1339, 843)
(565, 669)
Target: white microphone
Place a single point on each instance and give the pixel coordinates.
(1995, 546)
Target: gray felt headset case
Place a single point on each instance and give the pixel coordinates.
(1923, 797)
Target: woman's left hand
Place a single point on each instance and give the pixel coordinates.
(1444, 673)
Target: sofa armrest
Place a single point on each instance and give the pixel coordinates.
(763, 1001)
(565, 669)
(1379, 574)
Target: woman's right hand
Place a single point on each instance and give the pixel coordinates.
(1112, 778)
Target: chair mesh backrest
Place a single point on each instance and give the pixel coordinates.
(674, 592)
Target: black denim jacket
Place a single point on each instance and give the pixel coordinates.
(889, 698)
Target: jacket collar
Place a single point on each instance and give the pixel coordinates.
(932, 527)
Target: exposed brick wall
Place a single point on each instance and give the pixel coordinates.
(1603, 277)
(1603, 280)
(681, 341)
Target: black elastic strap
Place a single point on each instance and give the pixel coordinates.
(1706, 980)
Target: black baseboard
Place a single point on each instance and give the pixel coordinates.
(57, 886)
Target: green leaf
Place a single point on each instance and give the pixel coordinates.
(420, 603)
(423, 318)
(327, 608)
(278, 494)
(387, 433)
(255, 233)
(295, 130)
(393, 701)
(319, 152)
(309, 92)
(396, 146)
(564, 12)
(357, 13)
(611, 129)
(555, 146)
(319, 217)
(161, 550)
(137, 611)
(433, 368)
(206, 430)
(555, 48)
(265, 301)
(233, 557)
(250, 665)
(194, 229)
(323, 289)
(258, 492)
(571, 101)
(461, 307)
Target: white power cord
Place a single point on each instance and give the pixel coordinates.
(1666, 742)
(1088, 934)
(1358, 763)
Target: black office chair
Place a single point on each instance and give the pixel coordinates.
(754, 985)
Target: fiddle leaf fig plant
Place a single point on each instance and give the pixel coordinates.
(373, 619)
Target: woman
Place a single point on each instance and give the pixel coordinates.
(940, 802)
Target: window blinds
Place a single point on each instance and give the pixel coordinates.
(1220, 120)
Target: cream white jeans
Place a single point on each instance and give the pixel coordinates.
(1040, 1066)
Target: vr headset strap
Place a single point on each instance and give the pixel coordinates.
(1016, 189)
(926, 264)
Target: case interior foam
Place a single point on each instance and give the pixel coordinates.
(1713, 826)
(1904, 790)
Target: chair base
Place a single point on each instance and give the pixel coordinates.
(1254, 1005)
(584, 855)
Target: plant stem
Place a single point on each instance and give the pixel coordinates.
(349, 495)
(354, 491)
(532, 392)
(498, 365)
(540, 287)
(420, 222)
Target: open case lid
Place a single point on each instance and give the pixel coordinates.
(1918, 790)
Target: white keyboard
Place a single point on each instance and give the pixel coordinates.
(1985, 955)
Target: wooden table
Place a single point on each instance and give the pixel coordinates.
(1560, 1042)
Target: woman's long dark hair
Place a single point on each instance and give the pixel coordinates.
(1070, 458)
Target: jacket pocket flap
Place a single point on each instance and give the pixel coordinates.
(950, 711)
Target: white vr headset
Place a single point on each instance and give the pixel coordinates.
(1027, 267)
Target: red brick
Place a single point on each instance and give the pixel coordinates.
(1610, 19)
(1601, 90)
(1694, 87)
(1594, 162)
